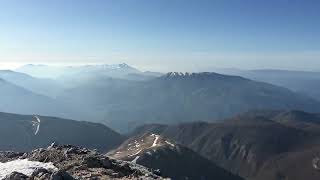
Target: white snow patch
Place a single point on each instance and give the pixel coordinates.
(171, 144)
(155, 140)
(135, 159)
(23, 166)
(135, 153)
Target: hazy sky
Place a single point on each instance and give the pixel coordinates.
(164, 35)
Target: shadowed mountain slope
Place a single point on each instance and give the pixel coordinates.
(254, 145)
(25, 132)
(173, 160)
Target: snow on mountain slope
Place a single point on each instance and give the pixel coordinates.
(23, 166)
(173, 160)
(132, 148)
(71, 163)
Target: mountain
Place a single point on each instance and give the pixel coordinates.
(65, 73)
(26, 132)
(47, 87)
(305, 82)
(20, 100)
(300, 120)
(298, 165)
(16, 99)
(178, 97)
(143, 76)
(123, 97)
(173, 160)
(42, 71)
(255, 145)
(66, 162)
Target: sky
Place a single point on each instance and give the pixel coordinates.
(162, 35)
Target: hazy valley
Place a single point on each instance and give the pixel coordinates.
(115, 95)
(159, 90)
(187, 125)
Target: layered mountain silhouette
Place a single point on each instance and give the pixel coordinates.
(123, 97)
(177, 97)
(305, 82)
(82, 71)
(248, 109)
(43, 86)
(17, 99)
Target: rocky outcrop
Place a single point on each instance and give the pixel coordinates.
(40, 174)
(73, 162)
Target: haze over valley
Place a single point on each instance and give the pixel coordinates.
(159, 90)
(222, 122)
(123, 97)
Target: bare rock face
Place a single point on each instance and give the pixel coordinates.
(16, 176)
(78, 163)
(9, 155)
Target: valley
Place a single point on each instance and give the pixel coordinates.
(159, 90)
(184, 125)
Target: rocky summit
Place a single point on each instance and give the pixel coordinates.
(66, 162)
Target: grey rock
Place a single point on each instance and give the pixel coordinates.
(16, 176)
(80, 163)
(61, 175)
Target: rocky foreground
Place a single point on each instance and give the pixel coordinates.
(69, 162)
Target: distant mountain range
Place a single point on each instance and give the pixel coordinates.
(17, 99)
(43, 86)
(259, 145)
(304, 82)
(123, 97)
(190, 125)
(177, 97)
(67, 73)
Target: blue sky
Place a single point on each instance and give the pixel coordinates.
(164, 35)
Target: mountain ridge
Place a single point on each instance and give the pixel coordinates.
(173, 160)
(26, 132)
(253, 146)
